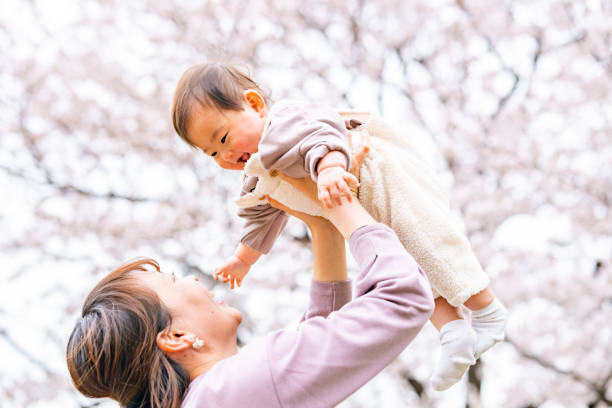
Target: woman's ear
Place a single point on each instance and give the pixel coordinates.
(255, 101)
(172, 341)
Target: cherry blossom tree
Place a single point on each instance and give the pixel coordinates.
(510, 100)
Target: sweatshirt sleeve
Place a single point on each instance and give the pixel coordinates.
(263, 223)
(326, 297)
(328, 358)
(297, 136)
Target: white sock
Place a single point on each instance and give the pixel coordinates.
(457, 339)
(489, 323)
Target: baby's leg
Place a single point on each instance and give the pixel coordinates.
(457, 340)
(488, 320)
(444, 313)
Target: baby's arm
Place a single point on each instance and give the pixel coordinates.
(333, 179)
(238, 265)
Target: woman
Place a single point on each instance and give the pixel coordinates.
(148, 340)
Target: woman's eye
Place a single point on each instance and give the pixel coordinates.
(214, 154)
(223, 139)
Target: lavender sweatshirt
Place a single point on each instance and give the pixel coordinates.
(295, 138)
(339, 345)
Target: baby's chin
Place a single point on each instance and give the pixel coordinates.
(231, 166)
(239, 165)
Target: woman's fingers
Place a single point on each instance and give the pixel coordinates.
(350, 179)
(305, 185)
(310, 220)
(280, 206)
(357, 158)
(360, 155)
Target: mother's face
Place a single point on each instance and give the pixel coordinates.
(193, 308)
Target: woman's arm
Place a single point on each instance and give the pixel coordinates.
(328, 358)
(330, 288)
(328, 249)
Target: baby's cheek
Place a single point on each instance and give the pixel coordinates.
(241, 145)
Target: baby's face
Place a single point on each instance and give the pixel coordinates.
(230, 137)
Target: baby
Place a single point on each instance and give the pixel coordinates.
(221, 111)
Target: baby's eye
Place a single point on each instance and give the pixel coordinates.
(173, 277)
(223, 139)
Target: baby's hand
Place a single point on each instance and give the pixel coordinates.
(333, 184)
(233, 271)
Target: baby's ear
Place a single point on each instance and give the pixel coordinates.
(255, 101)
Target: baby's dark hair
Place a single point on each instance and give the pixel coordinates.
(214, 84)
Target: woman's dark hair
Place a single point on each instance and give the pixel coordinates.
(112, 351)
(215, 85)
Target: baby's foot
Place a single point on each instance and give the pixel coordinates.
(458, 340)
(489, 323)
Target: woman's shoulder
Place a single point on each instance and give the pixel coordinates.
(240, 380)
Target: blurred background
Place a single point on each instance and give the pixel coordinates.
(511, 100)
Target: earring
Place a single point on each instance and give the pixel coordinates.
(197, 343)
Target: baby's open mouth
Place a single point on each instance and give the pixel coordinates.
(244, 157)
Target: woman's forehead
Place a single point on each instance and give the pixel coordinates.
(152, 277)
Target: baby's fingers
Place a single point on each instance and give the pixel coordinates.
(335, 194)
(324, 197)
(346, 192)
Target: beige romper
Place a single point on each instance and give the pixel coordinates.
(400, 189)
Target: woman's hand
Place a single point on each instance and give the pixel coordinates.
(328, 249)
(358, 155)
(313, 222)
